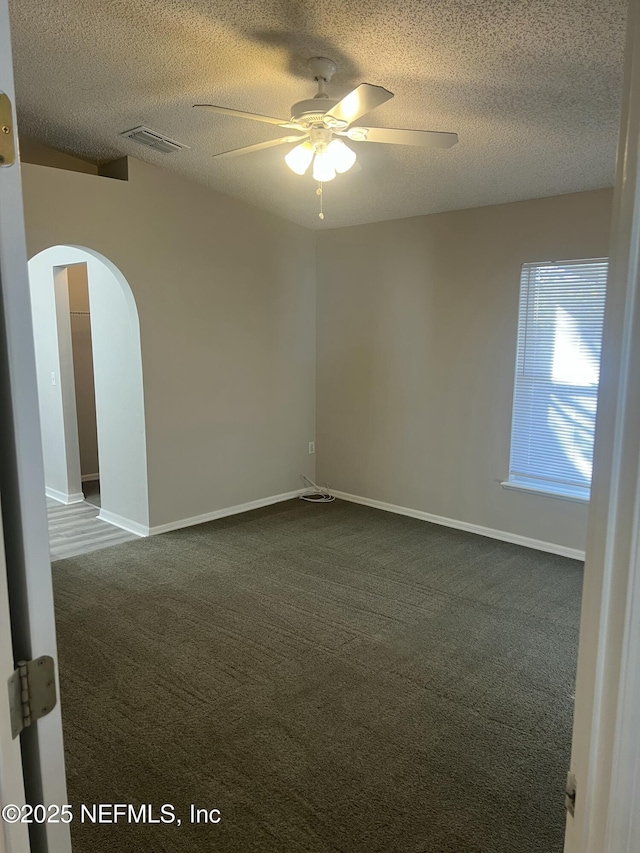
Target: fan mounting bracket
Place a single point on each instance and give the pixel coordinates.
(322, 68)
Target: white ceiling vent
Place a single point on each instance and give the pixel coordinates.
(153, 140)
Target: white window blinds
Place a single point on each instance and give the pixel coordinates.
(557, 372)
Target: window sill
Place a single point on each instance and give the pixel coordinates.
(517, 487)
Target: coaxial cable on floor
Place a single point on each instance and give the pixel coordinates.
(319, 496)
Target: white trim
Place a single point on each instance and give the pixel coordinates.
(605, 756)
(24, 522)
(12, 840)
(87, 478)
(561, 263)
(63, 497)
(518, 487)
(222, 513)
(124, 523)
(502, 535)
(623, 824)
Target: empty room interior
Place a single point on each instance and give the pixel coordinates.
(317, 298)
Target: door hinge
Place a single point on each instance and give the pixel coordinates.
(32, 692)
(570, 794)
(7, 142)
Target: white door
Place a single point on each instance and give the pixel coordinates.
(14, 837)
(25, 587)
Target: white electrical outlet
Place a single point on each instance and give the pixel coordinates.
(312, 447)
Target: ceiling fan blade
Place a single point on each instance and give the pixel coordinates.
(253, 116)
(270, 143)
(394, 136)
(361, 100)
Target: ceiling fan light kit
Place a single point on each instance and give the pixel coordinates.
(329, 156)
(322, 121)
(343, 157)
(299, 158)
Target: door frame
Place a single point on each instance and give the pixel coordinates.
(606, 748)
(26, 541)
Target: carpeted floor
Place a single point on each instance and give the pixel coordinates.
(332, 678)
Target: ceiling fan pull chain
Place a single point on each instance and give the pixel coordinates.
(319, 192)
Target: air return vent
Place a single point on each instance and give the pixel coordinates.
(153, 140)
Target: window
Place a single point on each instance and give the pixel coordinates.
(557, 372)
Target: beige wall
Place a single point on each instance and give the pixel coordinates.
(226, 299)
(32, 151)
(83, 368)
(416, 323)
(416, 353)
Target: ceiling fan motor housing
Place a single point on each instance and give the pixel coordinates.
(310, 112)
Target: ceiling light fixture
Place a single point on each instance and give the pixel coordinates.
(299, 158)
(322, 120)
(329, 156)
(323, 168)
(341, 155)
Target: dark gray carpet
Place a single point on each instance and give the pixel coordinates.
(332, 678)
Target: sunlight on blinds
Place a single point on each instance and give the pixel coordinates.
(557, 372)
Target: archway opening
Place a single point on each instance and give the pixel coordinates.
(112, 325)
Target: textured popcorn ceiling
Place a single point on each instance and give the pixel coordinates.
(531, 86)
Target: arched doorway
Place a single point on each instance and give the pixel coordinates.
(117, 368)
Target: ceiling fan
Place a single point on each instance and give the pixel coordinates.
(322, 121)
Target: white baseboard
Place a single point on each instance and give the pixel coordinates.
(87, 478)
(502, 535)
(222, 513)
(63, 497)
(124, 523)
(142, 530)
